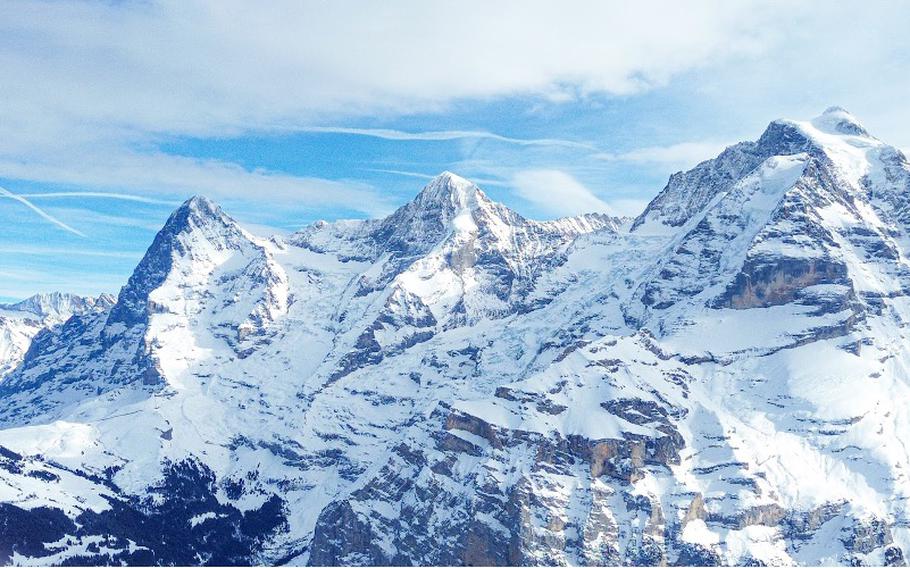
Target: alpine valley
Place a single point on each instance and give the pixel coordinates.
(723, 380)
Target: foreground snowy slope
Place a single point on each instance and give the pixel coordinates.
(723, 380)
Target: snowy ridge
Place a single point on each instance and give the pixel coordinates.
(725, 382)
(22, 321)
(58, 306)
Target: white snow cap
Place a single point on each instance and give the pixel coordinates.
(837, 120)
(201, 205)
(450, 189)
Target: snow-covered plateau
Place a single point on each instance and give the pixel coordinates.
(723, 380)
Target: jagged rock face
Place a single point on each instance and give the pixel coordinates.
(725, 382)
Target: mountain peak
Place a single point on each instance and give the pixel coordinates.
(449, 191)
(199, 228)
(200, 201)
(199, 207)
(449, 178)
(835, 109)
(786, 136)
(834, 135)
(837, 120)
(198, 213)
(448, 205)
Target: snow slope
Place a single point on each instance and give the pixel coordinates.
(725, 382)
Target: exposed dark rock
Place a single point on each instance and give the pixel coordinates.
(763, 283)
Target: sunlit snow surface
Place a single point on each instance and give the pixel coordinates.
(725, 380)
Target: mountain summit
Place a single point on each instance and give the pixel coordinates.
(837, 120)
(449, 192)
(722, 381)
(198, 227)
(835, 138)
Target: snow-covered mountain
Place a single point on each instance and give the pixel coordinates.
(722, 381)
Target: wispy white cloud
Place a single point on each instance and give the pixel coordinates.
(9, 194)
(404, 173)
(557, 193)
(160, 66)
(480, 181)
(681, 154)
(96, 221)
(441, 135)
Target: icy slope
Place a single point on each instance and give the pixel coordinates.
(725, 383)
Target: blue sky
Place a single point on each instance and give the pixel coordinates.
(112, 113)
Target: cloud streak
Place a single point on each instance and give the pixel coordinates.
(53, 251)
(483, 182)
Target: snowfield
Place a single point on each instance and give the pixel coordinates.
(723, 380)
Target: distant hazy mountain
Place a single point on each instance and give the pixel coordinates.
(21, 321)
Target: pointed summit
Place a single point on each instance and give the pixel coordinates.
(418, 226)
(449, 191)
(785, 136)
(448, 178)
(197, 211)
(835, 135)
(197, 228)
(837, 120)
(201, 203)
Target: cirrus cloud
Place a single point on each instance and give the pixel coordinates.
(681, 154)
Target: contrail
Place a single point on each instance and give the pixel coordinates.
(39, 211)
